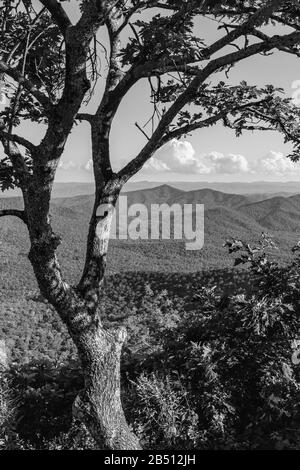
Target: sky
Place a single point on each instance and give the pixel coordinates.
(212, 154)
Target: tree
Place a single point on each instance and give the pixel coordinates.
(49, 68)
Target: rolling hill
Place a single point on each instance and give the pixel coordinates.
(134, 265)
(226, 215)
(277, 213)
(168, 195)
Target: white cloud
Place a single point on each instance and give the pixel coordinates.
(69, 165)
(183, 152)
(226, 164)
(156, 165)
(175, 156)
(180, 156)
(275, 163)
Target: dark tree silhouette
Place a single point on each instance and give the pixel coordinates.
(49, 68)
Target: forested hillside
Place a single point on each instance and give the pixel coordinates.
(181, 309)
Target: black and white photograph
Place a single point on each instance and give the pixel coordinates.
(149, 228)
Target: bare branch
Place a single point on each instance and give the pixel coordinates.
(85, 117)
(14, 212)
(142, 131)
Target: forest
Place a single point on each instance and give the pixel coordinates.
(211, 367)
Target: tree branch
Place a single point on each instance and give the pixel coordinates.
(14, 212)
(257, 19)
(94, 15)
(58, 14)
(210, 121)
(265, 37)
(18, 162)
(191, 92)
(18, 140)
(16, 75)
(182, 64)
(85, 117)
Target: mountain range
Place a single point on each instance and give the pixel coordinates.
(226, 215)
(261, 189)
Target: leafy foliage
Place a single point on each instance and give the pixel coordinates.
(207, 370)
(32, 43)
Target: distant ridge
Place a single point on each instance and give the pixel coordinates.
(243, 216)
(256, 187)
(279, 188)
(261, 189)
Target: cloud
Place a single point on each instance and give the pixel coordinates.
(175, 156)
(70, 165)
(156, 165)
(275, 163)
(218, 163)
(180, 156)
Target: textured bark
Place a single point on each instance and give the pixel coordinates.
(99, 405)
(98, 239)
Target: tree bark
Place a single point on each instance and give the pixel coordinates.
(99, 405)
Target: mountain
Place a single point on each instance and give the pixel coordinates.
(259, 190)
(264, 188)
(164, 194)
(211, 198)
(278, 213)
(226, 215)
(160, 194)
(169, 195)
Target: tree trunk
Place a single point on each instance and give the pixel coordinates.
(99, 405)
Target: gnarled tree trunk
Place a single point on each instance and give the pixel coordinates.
(99, 404)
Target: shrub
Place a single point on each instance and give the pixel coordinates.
(162, 415)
